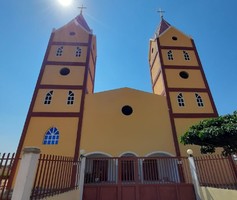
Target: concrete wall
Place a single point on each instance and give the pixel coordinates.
(71, 195)
(218, 194)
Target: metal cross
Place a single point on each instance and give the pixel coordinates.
(81, 7)
(161, 12)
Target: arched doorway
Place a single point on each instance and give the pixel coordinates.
(97, 169)
(128, 167)
(160, 167)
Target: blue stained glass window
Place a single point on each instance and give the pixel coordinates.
(51, 136)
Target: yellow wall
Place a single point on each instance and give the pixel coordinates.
(92, 67)
(166, 38)
(182, 125)
(106, 129)
(159, 85)
(190, 103)
(218, 194)
(179, 58)
(153, 50)
(194, 81)
(94, 46)
(52, 75)
(89, 85)
(70, 195)
(67, 127)
(63, 34)
(68, 54)
(155, 69)
(154, 60)
(59, 101)
(175, 81)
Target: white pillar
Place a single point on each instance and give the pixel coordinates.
(194, 175)
(82, 175)
(26, 174)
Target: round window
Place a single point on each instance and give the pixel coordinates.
(174, 38)
(184, 74)
(72, 33)
(127, 110)
(64, 71)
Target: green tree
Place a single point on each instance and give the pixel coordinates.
(213, 133)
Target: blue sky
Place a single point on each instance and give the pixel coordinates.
(123, 29)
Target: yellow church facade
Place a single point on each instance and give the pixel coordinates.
(66, 117)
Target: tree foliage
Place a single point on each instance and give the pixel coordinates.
(213, 133)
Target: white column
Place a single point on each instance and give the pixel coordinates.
(26, 174)
(194, 175)
(82, 175)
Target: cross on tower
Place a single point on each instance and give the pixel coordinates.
(81, 7)
(161, 12)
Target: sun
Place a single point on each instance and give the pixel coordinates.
(65, 2)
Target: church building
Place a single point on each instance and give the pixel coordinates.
(67, 118)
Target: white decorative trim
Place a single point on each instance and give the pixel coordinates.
(128, 152)
(98, 152)
(157, 152)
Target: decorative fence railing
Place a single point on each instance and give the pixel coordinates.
(217, 171)
(6, 163)
(55, 175)
(137, 170)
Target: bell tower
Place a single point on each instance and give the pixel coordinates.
(54, 120)
(177, 73)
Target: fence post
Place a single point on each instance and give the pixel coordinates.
(26, 174)
(194, 175)
(82, 175)
(232, 164)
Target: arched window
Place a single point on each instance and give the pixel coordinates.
(170, 55)
(78, 52)
(70, 98)
(161, 166)
(99, 168)
(48, 97)
(180, 100)
(51, 136)
(150, 169)
(199, 100)
(186, 55)
(127, 164)
(59, 51)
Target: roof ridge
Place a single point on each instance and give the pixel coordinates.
(164, 25)
(81, 20)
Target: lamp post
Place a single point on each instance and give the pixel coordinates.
(194, 174)
(190, 152)
(82, 172)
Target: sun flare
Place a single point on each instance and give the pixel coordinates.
(65, 2)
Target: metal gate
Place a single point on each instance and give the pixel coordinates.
(143, 178)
